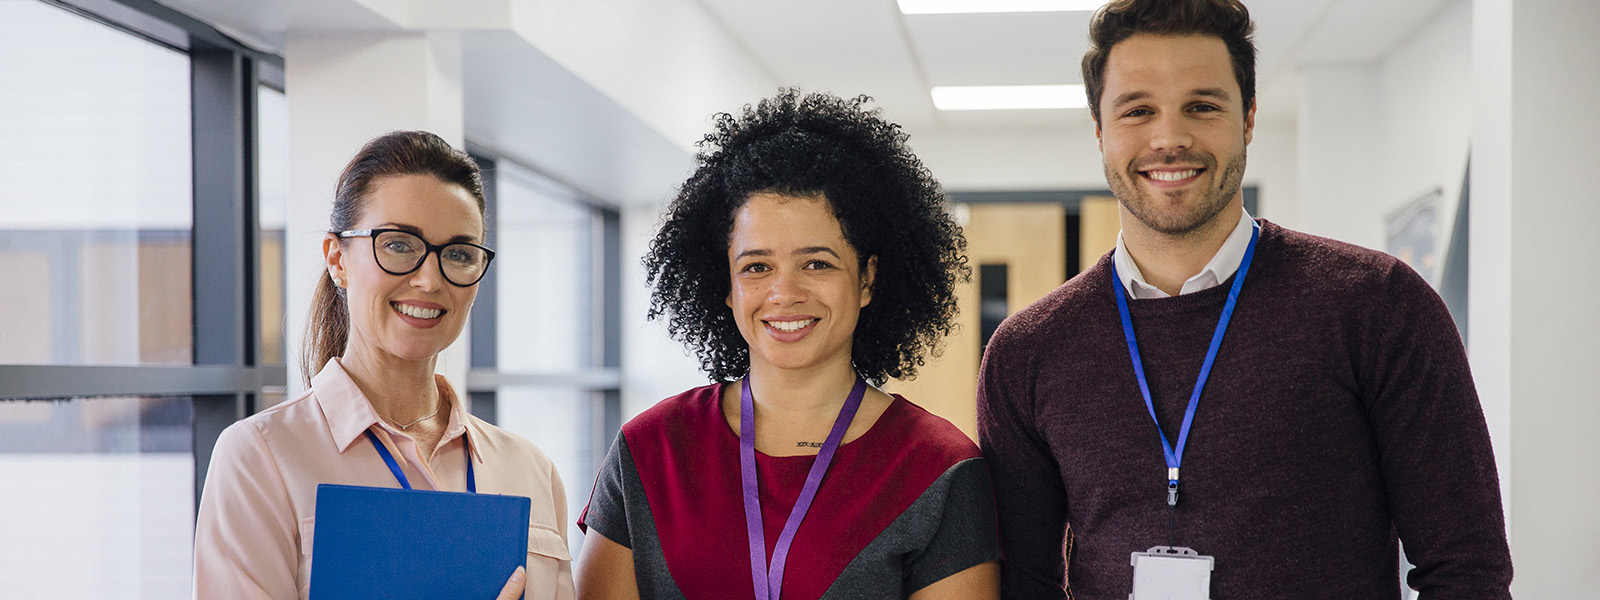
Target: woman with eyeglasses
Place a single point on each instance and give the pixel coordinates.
(404, 257)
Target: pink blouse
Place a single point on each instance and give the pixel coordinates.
(258, 508)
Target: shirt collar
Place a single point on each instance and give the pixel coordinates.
(1219, 269)
(350, 414)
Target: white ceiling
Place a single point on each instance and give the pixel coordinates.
(868, 47)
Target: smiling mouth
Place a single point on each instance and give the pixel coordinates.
(1171, 176)
(791, 326)
(417, 312)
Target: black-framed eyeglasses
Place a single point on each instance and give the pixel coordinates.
(401, 252)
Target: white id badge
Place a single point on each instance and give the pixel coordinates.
(1171, 573)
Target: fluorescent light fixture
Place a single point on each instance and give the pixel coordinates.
(1008, 97)
(953, 7)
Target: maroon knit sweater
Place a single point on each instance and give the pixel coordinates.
(1340, 416)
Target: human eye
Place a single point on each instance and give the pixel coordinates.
(399, 245)
(458, 254)
(754, 267)
(818, 264)
(1204, 108)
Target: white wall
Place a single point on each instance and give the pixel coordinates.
(1534, 330)
(994, 160)
(667, 61)
(654, 366)
(1374, 136)
(1427, 99)
(1068, 158)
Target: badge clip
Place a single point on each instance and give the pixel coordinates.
(1172, 487)
(1171, 573)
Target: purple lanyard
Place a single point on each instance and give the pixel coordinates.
(769, 580)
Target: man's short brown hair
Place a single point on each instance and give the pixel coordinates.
(1122, 19)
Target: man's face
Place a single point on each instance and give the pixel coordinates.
(1173, 131)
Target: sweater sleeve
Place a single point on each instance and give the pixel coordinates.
(1437, 461)
(1030, 500)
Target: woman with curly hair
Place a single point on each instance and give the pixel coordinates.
(808, 259)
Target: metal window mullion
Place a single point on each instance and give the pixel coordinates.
(484, 351)
(26, 382)
(226, 321)
(610, 319)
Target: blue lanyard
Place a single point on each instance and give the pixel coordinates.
(394, 467)
(1175, 457)
(768, 581)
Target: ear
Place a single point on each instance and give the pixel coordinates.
(1249, 122)
(333, 255)
(869, 276)
(1099, 141)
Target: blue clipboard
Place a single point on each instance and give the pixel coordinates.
(400, 544)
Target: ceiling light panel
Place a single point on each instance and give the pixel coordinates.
(1009, 97)
(952, 7)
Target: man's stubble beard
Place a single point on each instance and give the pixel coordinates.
(1190, 218)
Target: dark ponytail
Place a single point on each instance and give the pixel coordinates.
(328, 328)
(394, 153)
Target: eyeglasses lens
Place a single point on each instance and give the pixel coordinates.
(400, 252)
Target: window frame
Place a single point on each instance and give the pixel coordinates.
(602, 377)
(226, 378)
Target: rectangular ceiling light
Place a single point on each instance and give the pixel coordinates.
(1008, 97)
(950, 7)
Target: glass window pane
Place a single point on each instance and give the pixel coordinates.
(273, 139)
(99, 499)
(95, 191)
(544, 263)
(561, 422)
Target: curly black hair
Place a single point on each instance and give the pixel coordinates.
(888, 205)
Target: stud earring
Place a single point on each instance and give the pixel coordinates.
(338, 282)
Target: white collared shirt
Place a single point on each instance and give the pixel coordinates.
(1218, 270)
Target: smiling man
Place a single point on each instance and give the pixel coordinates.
(1221, 407)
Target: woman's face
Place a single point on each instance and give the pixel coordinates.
(411, 316)
(797, 289)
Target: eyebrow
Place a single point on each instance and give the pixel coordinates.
(797, 252)
(1134, 96)
(817, 250)
(1129, 97)
(416, 231)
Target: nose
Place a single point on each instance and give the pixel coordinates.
(786, 288)
(428, 277)
(1170, 131)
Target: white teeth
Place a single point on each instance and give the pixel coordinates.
(418, 312)
(1172, 175)
(791, 326)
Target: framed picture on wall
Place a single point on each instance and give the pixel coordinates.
(1413, 234)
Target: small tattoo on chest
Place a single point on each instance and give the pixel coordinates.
(810, 445)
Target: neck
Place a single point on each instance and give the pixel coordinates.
(400, 390)
(818, 390)
(1168, 260)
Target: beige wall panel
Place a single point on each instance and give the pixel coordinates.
(1098, 225)
(272, 318)
(108, 301)
(25, 328)
(166, 324)
(1030, 240)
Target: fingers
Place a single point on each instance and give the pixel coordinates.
(513, 589)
